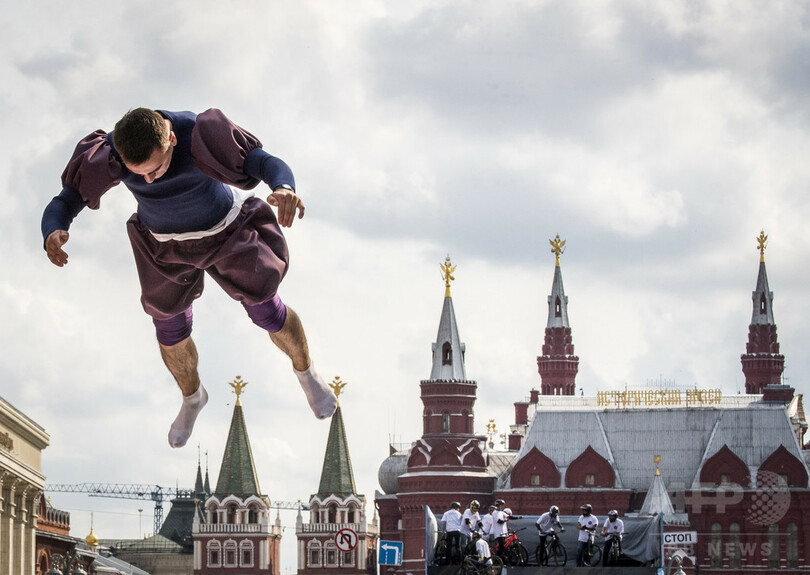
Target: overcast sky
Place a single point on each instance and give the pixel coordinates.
(657, 138)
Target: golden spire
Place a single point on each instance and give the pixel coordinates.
(238, 385)
(337, 386)
(762, 243)
(557, 248)
(657, 462)
(447, 275)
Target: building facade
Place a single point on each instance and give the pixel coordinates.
(21, 485)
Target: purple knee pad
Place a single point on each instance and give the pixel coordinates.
(175, 329)
(269, 315)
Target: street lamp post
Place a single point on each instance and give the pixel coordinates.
(69, 564)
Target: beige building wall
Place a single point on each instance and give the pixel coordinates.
(21, 483)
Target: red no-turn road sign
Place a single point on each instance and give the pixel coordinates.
(346, 539)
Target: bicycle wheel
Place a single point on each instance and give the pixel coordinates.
(558, 555)
(440, 553)
(596, 557)
(538, 555)
(612, 555)
(523, 554)
(497, 565)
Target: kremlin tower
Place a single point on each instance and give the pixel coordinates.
(762, 363)
(558, 365)
(337, 539)
(447, 462)
(235, 534)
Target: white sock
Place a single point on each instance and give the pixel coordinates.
(320, 396)
(183, 425)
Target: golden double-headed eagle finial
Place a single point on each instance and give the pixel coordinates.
(447, 275)
(238, 385)
(337, 386)
(762, 243)
(557, 248)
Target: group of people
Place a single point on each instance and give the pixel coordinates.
(613, 528)
(469, 532)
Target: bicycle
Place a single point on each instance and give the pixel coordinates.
(554, 550)
(593, 554)
(613, 551)
(440, 551)
(514, 553)
(470, 565)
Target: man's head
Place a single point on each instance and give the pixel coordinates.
(586, 509)
(613, 515)
(499, 503)
(144, 141)
(455, 505)
(476, 535)
(474, 505)
(554, 511)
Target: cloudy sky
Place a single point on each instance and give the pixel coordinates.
(657, 138)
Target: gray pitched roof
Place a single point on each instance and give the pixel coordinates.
(684, 437)
(762, 315)
(557, 291)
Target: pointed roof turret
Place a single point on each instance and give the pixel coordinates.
(207, 485)
(657, 500)
(448, 351)
(199, 488)
(762, 364)
(337, 477)
(557, 301)
(557, 366)
(762, 296)
(237, 474)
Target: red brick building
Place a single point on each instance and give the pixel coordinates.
(732, 468)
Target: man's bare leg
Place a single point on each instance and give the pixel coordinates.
(292, 340)
(181, 359)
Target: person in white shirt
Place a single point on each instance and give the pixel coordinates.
(612, 529)
(545, 527)
(486, 525)
(470, 521)
(452, 527)
(587, 524)
(481, 548)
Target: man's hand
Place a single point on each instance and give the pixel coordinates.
(287, 202)
(53, 247)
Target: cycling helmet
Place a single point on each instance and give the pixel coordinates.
(476, 534)
(586, 508)
(613, 513)
(474, 504)
(554, 510)
(455, 505)
(499, 502)
(507, 511)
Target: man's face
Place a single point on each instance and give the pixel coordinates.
(157, 164)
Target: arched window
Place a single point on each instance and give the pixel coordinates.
(352, 515)
(214, 550)
(347, 558)
(734, 546)
(246, 553)
(445, 422)
(447, 353)
(253, 513)
(229, 553)
(314, 548)
(773, 542)
(213, 516)
(315, 513)
(232, 513)
(716, 547)
(332, 513)
(792, 546)
(763, 304)
(557, 307)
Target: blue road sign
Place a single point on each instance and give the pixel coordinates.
(390, 553)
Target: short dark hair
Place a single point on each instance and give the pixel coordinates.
(139, 133)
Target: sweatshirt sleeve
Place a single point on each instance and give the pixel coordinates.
(228, 153)
(93, 169)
